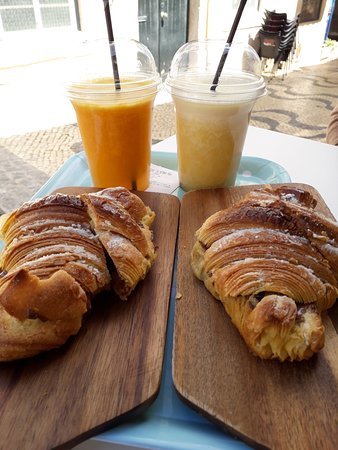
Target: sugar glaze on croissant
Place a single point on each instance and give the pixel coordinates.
(60, 251)
(273, 263)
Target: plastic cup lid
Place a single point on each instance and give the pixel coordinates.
(136, 65)
(195, 64)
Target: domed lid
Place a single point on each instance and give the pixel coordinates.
(194, 66)
(94, 71)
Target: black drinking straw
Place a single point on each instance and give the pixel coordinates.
(226, 48)
(112, 45)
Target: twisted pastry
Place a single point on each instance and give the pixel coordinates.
(272, 262)
(55, 261)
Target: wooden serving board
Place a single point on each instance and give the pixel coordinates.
(110, 370)
(268, 404)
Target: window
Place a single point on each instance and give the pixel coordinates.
(18, 15)
(310, 10)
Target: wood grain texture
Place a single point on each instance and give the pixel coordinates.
(111, 369)
(266, 403)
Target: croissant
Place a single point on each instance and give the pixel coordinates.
(272, 262)
(127, 243)
(60, 251)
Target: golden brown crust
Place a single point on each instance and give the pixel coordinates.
(130, 202)
(55, 261)
(38, 315)
(23, 339)
(125, 235)
(266, 210)
(271, 260)
(54, 233)
(130, 265)
(25, 296)
(42, 214)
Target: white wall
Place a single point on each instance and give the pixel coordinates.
(216, 17)
(124, 14)
(311, 37)
(221, 15)
(290, 7)
(92, 18)
(125, 18)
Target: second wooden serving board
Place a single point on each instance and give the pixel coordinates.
(266, 403)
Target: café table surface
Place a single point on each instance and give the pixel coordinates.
(168, 423)
(306, 161)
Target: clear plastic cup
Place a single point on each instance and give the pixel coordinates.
(211, 126)
(115, 125)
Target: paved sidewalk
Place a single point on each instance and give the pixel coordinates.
(299, 105)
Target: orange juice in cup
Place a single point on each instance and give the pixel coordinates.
(115, 125)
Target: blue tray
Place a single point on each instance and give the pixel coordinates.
(75, 172)
(168, 423)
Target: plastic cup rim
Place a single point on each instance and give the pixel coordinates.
(85, 87)
(250, 90)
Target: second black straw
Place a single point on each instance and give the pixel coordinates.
(227, 47)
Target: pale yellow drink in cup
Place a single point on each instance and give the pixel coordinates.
(210, 139)
(211, 126)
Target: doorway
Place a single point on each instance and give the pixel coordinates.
(163, 28)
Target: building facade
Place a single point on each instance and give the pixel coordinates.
(165, 24)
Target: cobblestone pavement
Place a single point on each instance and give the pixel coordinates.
(299, 105)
